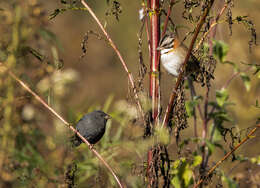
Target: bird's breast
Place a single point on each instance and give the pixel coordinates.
(172, 61)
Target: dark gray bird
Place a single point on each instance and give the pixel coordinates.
(91, 126)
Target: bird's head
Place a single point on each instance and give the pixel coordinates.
(102, 115)
(168, 42)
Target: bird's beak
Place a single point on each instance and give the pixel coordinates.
(108, 117)
(159, 48)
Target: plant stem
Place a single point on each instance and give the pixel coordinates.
(154, 64)
(154, 90)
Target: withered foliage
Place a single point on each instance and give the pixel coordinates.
(179, 117)
(115, 10)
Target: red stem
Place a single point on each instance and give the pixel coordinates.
(154, 64)
(149, 171)
(153, 7)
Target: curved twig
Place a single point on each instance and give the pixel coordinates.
(228, 154)
(129, 74)
(39, 99)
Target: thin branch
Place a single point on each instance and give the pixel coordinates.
(193, 94)
(39, 99)
(205, 150)
(228, 154)
(146, 26)
(129, 74)
(205, 130)
(167, 17)
(234, 76)
(211, 26)
(173, 96)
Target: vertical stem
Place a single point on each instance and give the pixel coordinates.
(193, 94)
(153, 6)
(149, 171)
(154, 64)
(205, 120)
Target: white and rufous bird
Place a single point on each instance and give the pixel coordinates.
(173, 54)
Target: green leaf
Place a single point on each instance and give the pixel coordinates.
(176, 163)
(255, 160)
(182, 173)
(187, 176)
(221, 96)
(220, 50)
(190, 105)
(230, 183)
(163, 135)
(246, 80)
(234, 65)
(257, 104)
(217, 135)
(211, 146)
(257, 70)
(34, 52)
(50, 37)
(197, 160)
(176, 182)
(222, 116)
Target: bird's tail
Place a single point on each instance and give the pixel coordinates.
(75, 141)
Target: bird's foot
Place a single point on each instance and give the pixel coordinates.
(91, 146)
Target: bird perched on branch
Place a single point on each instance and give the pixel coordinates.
(91, 126)
(173, 54)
